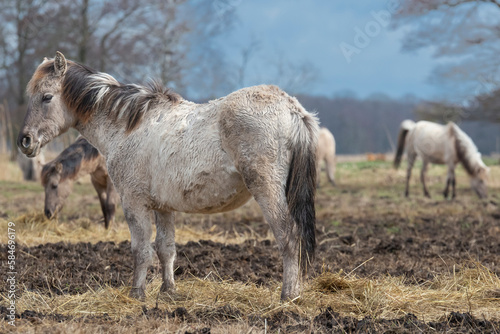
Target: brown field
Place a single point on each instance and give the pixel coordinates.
(384, 263)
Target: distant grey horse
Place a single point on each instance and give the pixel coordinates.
(441, 144)
(77, 160)
(326, 153)
(165, 154)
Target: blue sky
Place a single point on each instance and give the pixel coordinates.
(312, 31)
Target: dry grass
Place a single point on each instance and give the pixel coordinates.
(34, 229)
(474, 290)
(363, 186)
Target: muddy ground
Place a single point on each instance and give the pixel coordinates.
(417, 251)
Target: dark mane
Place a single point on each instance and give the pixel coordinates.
(75, 90)
(85, 91)
(71, 159)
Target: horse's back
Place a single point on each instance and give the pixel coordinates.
(432, 142)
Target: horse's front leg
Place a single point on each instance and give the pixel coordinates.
(101, 193)
(422, 178)
(165, 248)
(447, 187)
(111, 199)
(139, 222)
(450, 180)
(453, 183)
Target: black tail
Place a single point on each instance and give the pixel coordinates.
(401, 146)
(301, 189)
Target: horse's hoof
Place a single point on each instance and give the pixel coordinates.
(167, 288)
(427, 195)
(137, 293)
(170, 292)
(288, 299)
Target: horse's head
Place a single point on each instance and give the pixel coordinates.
(47, 116)
(478, 182)
(57, 189)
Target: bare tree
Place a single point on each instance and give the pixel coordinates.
(464, 31)
(247, 53)
(295, 77)
(130, 39)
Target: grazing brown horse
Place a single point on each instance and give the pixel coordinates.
(444, 145)
(165, 154)
(326, 152)
(77, 160)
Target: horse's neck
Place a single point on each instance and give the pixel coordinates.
(101, 132)
(467, 151)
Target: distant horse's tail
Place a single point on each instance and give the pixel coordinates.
(301, 187)
(406, 126)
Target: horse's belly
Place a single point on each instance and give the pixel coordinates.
(214, 192)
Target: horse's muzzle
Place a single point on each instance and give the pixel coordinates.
(28, 145)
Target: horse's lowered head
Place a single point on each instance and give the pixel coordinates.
(47, 116)
(479, 178)
(57, 188)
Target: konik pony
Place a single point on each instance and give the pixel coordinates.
(166, 154)
(441, 144)
(326, 153)
(77, 160)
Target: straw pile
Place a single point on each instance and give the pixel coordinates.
(473, 289)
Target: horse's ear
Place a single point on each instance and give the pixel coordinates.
(60, 64)
(59, 167)
(45, 59)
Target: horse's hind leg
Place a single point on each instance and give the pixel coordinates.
(165, 248)
(422, 178)
(276, 213)
(264, 184)
(262, 159)
(139, 223)
(411, 161)
(330, 169)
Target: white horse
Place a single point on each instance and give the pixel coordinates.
(441, 144)
(326, 153)
(165, 154)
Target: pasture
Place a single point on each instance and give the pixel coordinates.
(383, 263)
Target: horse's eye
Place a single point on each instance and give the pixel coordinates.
(46, 98)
